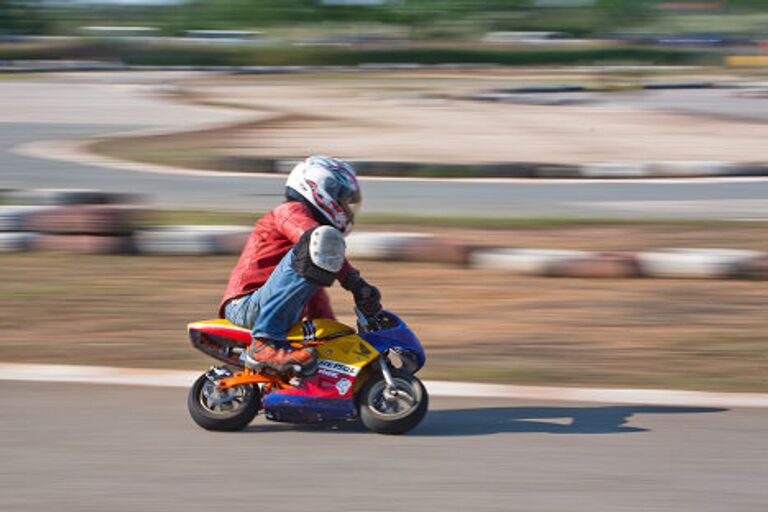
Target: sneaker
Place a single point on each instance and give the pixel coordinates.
(282, 358)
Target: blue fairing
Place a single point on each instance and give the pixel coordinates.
(296, 408)
(399, 339)
(308, 409)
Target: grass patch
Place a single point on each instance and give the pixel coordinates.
(534, 223)
(199, 217)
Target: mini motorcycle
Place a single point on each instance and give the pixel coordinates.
(366, 375)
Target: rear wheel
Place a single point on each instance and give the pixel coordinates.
(386, 412)
(223, 410)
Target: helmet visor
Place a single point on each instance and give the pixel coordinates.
(351, 205)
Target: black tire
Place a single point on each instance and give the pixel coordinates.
(245, 406)
(396, 421)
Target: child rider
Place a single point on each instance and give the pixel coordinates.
(293, 252)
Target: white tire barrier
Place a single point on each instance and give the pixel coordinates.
(613, 170)
(688, 169)
(16, 218)
(381, 245)
(190, 240)
(16, 242)
(662, 169)
(603, 265)
(694, 263)
(83, 220)
(523, 261)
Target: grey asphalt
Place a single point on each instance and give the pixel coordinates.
(71, 447)
(701, 199)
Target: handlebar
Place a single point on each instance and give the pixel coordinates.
(377, 322)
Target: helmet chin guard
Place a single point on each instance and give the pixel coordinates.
(330, 185)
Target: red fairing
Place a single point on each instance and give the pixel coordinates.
(232, 333)
(322, 385)
(272, 237)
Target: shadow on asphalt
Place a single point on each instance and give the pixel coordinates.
(556, 420)
(496, 420)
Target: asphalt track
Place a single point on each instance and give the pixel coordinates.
(73, 447)
(85, 106)
(675, 199)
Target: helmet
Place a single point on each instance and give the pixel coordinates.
(330, 186)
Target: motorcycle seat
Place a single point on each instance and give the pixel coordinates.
(308, 330)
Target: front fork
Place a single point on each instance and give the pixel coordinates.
(391, 392)
(384, 365)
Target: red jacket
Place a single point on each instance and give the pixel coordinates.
(272, 237)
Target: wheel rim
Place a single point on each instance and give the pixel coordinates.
(383, 403)
(223, 401)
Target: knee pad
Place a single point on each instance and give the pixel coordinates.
(319, 255)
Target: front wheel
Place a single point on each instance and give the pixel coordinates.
(386, 412)
(225, 410)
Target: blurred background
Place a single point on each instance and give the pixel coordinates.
(556, 193)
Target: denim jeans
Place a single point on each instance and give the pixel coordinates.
(273, 309)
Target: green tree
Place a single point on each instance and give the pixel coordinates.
(623, 13)
(16, 17)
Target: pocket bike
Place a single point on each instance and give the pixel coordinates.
(366, 375)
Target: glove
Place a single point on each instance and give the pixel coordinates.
(367, 297)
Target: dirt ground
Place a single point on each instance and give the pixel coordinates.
(480, 326)
(420, 117)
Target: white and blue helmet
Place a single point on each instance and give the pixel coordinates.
(330, 186)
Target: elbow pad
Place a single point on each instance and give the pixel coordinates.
(319, 255)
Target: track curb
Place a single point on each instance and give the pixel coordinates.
(179, 378)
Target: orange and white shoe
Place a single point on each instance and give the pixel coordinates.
(264, 353)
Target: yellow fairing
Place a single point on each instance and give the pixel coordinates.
(311, 330)
(351, 350)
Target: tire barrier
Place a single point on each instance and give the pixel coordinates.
(59, 197)
(523, 261)
(756, 268)
(606, 265)
(191, 240)
(695, 263)
(668, 169)
(436, 250)
(381, 245)
(88, 224)
(16, 242)
(666, 264)
(533, 170)
(83, 220)
(83, 244)
(16, 218)
(613, 170)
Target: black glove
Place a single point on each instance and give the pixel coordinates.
(367, 297)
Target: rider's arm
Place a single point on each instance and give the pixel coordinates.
(293, 220)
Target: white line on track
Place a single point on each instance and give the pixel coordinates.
(177, 378)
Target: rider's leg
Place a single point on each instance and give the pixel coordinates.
(279, 304)
(271, 310)
(281, 301)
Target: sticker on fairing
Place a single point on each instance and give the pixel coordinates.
(343, 386)
(335, 366)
